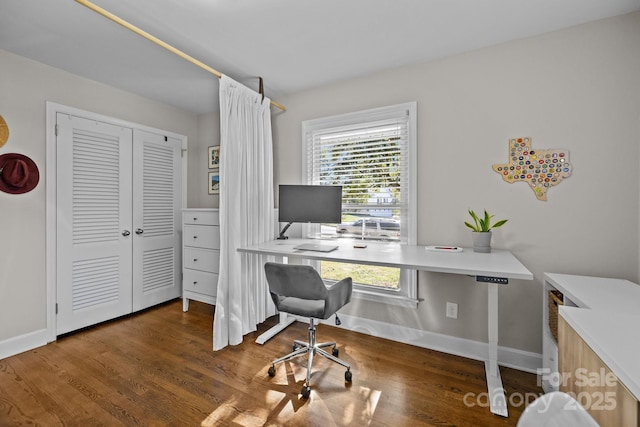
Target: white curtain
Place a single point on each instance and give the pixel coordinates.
(246, 212)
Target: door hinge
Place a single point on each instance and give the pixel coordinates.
(56, 129)
(56, 308)
(182, 152)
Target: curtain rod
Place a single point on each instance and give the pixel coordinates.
(157, 41)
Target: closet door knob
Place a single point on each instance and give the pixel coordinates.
(139, 231)
(125, 233)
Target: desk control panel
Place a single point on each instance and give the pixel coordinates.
(490, 279)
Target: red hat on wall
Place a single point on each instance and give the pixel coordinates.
(18, 173)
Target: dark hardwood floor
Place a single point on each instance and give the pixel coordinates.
(156, 368)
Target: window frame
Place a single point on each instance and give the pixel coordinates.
(407, 294)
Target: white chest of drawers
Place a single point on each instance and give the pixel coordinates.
(200, 255)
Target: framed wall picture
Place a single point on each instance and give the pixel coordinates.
(214, 182)
(214, 157)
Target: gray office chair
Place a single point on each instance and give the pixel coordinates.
(299, 290)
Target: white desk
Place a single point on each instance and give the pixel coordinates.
(494, 268)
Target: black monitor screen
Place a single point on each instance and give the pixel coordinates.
(310, 203)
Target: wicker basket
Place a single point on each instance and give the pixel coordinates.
(555, 300)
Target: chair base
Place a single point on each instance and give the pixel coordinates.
(311, 348)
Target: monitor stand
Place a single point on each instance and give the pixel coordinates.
(284, 230)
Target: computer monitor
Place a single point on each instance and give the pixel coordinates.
(310, 204)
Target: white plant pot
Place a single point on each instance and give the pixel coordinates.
(481, 241)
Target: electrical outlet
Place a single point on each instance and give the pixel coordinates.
(452, 310)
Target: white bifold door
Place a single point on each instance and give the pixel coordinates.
(118, 212)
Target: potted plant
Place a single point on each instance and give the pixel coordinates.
(482, 227)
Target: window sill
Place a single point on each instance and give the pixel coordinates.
(398, 300)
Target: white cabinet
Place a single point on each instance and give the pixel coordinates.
(200, 255)
(600, 294)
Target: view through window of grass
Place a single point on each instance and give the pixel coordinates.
(386, 277)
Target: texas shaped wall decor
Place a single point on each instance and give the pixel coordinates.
(541, 169)
(4, 131)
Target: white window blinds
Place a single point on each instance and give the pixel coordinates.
(370, 159)
(372, 154)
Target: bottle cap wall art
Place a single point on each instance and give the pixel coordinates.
(4, 131)
(540, 169)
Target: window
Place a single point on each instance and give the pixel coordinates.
(372, 155)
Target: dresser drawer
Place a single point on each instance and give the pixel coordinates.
(201, 282)
(202, 259)
(202, 218)
(202, 236)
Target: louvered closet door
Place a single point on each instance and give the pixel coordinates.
(156, 219)
(94, 218)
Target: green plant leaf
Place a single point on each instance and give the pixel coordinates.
(483, 224)
(486, 223)
(500, 223)
(471, 226)
(476, 220)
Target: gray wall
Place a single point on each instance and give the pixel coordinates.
(209, 135)
(576, 89)
(25, 86)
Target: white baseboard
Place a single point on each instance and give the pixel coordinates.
(508, 357)
(22, 343)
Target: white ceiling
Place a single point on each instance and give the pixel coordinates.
(293, 44)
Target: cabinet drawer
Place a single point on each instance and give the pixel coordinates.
(202, 259)
(201, 282)
(202, 218)
(202, 236)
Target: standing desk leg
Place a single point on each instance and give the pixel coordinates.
(497, 398)
(285, 320)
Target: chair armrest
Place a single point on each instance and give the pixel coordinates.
(338, 295)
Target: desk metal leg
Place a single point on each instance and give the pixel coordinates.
(497, 398)
(285, 321)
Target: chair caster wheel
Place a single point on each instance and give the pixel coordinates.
(348, 376)
(272, 371)
(335, 351)
(305, 392)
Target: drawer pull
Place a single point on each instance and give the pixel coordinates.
(195, 218)
(195, 283)
(195, 260)
(195, 237)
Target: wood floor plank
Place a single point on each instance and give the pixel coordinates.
(157, 368)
